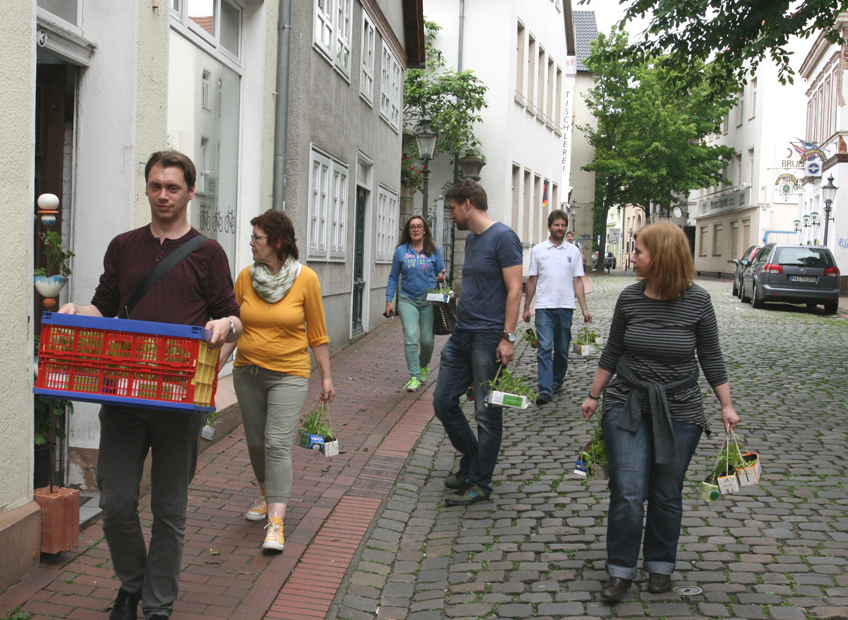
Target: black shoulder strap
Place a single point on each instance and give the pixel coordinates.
(160, 270)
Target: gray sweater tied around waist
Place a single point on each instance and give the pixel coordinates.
(665, 446)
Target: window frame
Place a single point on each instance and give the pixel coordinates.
(327, 207)
(366, 72)
(387, 215)
(333, 33)
(391, 82)
(181, 22)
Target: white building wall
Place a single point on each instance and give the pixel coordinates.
(510, 132)
(17, 134)
(753, 205)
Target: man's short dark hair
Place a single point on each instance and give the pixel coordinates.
(557, 214)
(167, 159)
(471, 190)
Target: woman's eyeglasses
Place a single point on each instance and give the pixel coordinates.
(253, 238)
(416, 227)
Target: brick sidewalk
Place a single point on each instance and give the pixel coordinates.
(225, 573)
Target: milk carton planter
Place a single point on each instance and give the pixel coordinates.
(317, 434)
(441, 294)
(505, 399)
(507, 390)
(749, 475)
(587, 342)
(709, 490)
(583, 350)
(593, 456)
(728, 484)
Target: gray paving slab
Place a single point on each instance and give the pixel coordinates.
(776, 551)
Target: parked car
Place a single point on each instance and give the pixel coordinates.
(796, 274)
(609, 260)
(741, 264)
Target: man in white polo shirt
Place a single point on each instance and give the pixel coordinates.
(555, 280)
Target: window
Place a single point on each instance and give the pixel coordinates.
(387, 224)
(366, 69)
(64, 9)
(702, 245)
(726, 123)
(753, 99)
(216, 22)
(739, 172)
(204, 90)
(391, 89)
(540, 86)
(333, 22)
(734, 239)
(521, 61)
(750, 179)
(717, 240)
(551, 83)
(746, 232)
(531, 71)
(328, 190)
(740, 106)
(557, 112)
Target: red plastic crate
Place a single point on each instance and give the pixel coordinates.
(116, 361)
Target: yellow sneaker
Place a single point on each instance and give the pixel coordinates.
(258, 512)
(424, 373)
(274, 539)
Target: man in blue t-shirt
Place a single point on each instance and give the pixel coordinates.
(482, 341)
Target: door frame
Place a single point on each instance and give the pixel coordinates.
(365, 180)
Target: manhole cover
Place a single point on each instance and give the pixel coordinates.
(688, 590)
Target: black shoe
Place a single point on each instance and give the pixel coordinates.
(469, 494)
(455, 481)
(658, 583)
(557, 388)
(615, 589)
(543, 399)
(125, 606)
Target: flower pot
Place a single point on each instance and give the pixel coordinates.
(599, 472)
(50, 287)
(309, 441)
(330, 448)
(728, 484)
(59, 518)
(583, 350)
(471, 165)
(710, 492)
(750, 474)
(505, 399)
(438, 297)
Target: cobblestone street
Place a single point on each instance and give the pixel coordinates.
(778, 550)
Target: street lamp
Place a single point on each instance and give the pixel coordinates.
(426, 141)
(829, 194)
(797, 226)
(806, 220)
(629, 245)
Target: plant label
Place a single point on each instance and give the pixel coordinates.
(505, 399)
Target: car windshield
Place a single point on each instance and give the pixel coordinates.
(804, 257)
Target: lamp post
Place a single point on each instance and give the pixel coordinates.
(574, 208)
(829, 194)
(629, 245)
(426, 141)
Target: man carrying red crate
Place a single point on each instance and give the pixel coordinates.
(196, 290)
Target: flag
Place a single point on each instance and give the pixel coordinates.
(545, 195)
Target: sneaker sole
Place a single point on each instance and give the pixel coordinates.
(459, 502)
(255, 517)
(272, 546)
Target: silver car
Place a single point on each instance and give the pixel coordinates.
(795, 274)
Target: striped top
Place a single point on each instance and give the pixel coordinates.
(660, 339)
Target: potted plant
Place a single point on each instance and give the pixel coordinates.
(594, 455)
(441, 294)
(316, 433)
(509, 391)
(50, 280)
(59, 505)
(586, 342)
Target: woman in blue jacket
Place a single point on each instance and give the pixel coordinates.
(419, 264)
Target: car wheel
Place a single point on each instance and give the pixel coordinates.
(755, 301)
(735, 288)
(745, 299)
(830, 307)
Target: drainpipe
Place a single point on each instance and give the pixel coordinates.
(459, 68)
(281, 114)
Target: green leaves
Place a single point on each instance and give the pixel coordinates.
(452, 99)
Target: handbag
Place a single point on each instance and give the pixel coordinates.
(444, 316)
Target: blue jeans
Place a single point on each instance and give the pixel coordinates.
(553, 331)
(634, 478)
(417, 318)
(468, 358)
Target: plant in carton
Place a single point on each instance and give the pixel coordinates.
(586, 342)
(729, 460)
(749, 473)
(442, 294)
(709, 489)
(509, 391)
(316, 432)
(594, 454)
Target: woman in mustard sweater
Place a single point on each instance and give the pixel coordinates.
(283, 314)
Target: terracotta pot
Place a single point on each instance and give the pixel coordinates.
(59, 518)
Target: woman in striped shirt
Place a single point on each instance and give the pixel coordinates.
(653, 412)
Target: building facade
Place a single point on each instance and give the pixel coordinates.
(754, 207)
(524, 130)
(826, 131)
(309, 123)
